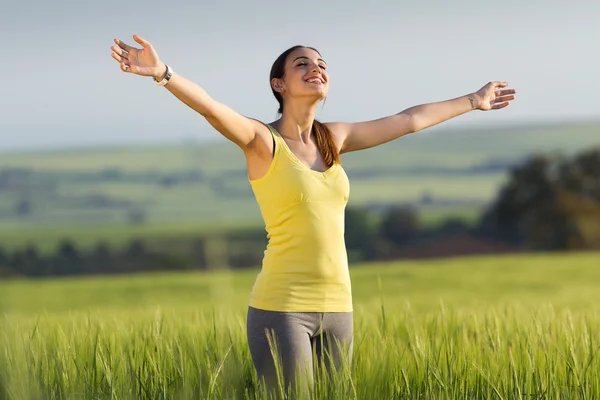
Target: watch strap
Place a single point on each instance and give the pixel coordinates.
(166, 78)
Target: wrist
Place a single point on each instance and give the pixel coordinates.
(474, 101)
(160, 72)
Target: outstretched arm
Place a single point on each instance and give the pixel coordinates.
(364, 135)
(145, 61)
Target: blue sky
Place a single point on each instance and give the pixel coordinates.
(60, 86)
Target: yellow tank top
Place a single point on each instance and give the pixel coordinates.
(305, 266)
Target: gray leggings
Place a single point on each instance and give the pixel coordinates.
(297, 335)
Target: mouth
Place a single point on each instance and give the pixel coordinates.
(315, 79)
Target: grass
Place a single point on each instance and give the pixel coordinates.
(490, 327)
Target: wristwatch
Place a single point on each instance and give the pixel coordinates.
(166, 78)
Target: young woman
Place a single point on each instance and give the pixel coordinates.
(302, 297)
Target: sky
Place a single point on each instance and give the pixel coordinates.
(61, 88)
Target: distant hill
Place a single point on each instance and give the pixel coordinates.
(441, 170)
(441, 146)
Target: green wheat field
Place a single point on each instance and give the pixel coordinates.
(511, 327)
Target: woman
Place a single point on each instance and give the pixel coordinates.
(302, 295)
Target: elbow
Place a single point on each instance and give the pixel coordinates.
(414, 124)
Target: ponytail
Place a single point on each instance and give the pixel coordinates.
(325, 143)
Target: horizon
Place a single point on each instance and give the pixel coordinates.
(219, 140)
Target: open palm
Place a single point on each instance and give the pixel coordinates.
(493, 96)
(144, 61)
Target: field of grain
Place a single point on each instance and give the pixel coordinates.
(512, 327)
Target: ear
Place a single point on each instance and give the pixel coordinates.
(277, 85)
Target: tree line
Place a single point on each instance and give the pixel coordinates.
(549, 203)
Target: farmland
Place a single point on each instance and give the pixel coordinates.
(199, 186)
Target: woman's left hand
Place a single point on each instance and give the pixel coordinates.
(493, 96)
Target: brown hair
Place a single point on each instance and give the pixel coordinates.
(323, 135)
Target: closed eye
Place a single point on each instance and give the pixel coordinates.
(303, 63)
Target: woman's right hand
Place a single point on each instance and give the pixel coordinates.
(144, 61)
(237, 128)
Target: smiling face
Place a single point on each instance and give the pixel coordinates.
(301, 72)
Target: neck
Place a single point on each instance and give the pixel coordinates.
(296, 121)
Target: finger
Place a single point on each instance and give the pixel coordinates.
(505, 92)
(504, 98)
(123, 45)
(500, 105)
(118, 57)
(125, 67)
(497, 84)
(122, 63)
(122, 53)
(145, 44)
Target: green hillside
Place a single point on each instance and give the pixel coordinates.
(202, 184)
(437, 146)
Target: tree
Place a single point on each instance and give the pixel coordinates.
(399, 224)
(6, 268)
(33, 263)
(358, 233)
(17, 262)
(452, 226)
(67, 260)
(100, 260)
(522, 200)
(4, 260)
(549, 203)
(582, 175)
(356, 226)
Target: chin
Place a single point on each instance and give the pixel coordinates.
(321, 93)
(316, 94)
(313, 97)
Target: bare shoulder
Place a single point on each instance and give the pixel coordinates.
(263, 141)
(340, 132)
(260, 127)
(338, 128)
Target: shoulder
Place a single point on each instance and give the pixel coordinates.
(338, 128)
(260, 127)
(263, 138)
(340, 131)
